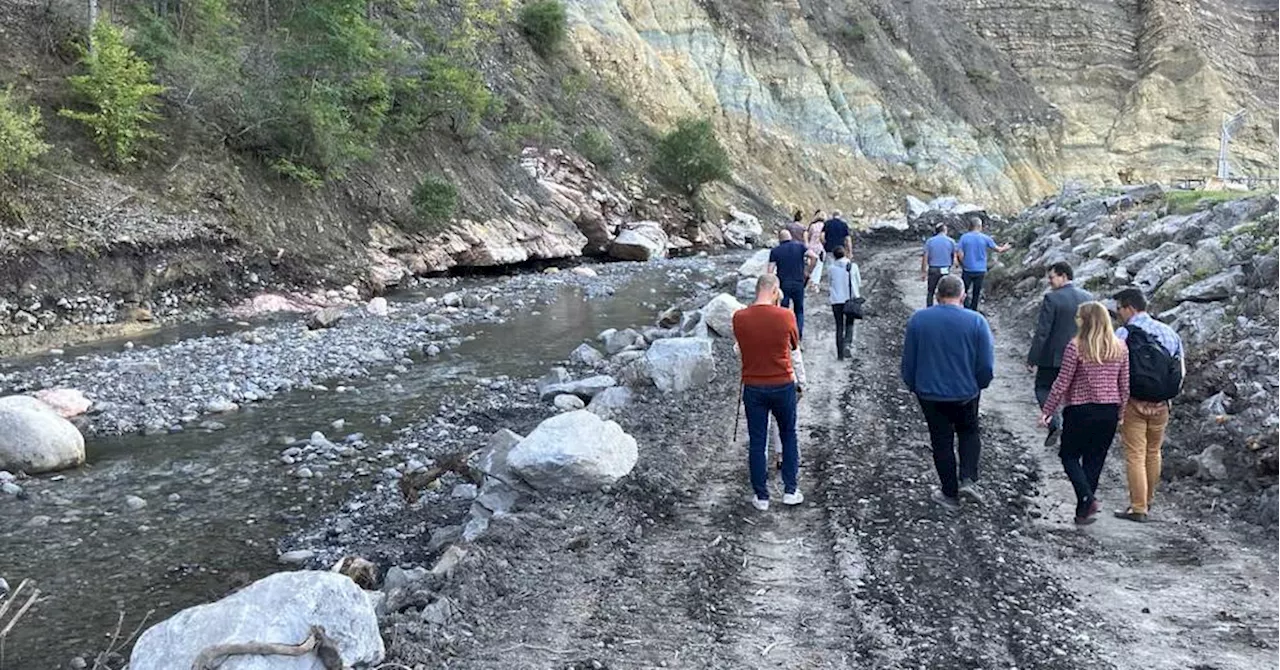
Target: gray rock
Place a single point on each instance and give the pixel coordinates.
(756, 265)
(134, 503)
(1093, 268)
(219, 405)
(477, 522)
(10, 489)
(440, 612)
(279, 608)
(718, 313)
(304, 473)
(325, 318)
(915, 207)
(1218, 287)
(670, 317)
(297, 556)
(746, 289)
(399, 578)
(377, 306)
(643, 241)
(1170, 259)
(575, 451)
(464, 492)
(1266, 272)
(554, 377)
(1214, 405)
(566, 402)
(610, 402)
(680, 364)
(621, 339)
(6, 476)
(1209, 463)
(583, 388)
(33, 438)
(586, 354)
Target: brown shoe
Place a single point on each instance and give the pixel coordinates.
(1131, 515)
(1084, 520)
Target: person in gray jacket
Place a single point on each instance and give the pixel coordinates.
(1054, 329)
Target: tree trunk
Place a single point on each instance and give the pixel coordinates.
(93, 20)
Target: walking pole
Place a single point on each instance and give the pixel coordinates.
(736, 414)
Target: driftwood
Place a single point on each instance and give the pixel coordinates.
(457, 463)
(325, 649)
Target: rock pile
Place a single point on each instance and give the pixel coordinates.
(1212, 275)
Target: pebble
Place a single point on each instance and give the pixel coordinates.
(38, 521)
(304, 473)
(339, 424)
(9, 488)
(174, 497)
(297, 556)
(384, 420)
(78, 663)
(134, 503)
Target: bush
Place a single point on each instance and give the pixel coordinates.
(118, 86)
(443, 90)
(596, 147)
(544, 24)
(691, 156)
(19, 134)
(434, 201)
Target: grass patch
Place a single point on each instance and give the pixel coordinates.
(1186, 202)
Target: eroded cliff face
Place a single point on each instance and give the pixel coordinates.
(829, 101)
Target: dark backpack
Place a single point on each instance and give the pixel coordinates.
(1154, 374)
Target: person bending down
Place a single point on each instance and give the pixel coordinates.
(1093, 388)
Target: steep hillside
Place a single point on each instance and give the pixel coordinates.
(292, 135)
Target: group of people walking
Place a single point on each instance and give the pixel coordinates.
(1091, 379)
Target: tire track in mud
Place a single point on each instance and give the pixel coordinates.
(943, 591)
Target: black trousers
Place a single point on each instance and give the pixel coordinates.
(1087, 432)
(844, 331)
(948, 420)
(935, 275)
(1044, 386)
(972, 288)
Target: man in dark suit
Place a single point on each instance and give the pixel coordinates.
(1054, 330)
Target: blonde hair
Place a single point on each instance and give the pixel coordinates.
(1095, 338)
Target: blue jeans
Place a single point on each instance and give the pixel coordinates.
(758, 402)
(794, 292)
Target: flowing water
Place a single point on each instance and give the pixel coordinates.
(216, 501)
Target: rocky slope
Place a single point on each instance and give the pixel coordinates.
(1212, 275)
(819, 102)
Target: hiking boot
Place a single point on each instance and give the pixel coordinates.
(760, 504)
(1052, 438)
(969, 492)
(793, 498)
(945, 501)
(1084, 520)
(1130, 515)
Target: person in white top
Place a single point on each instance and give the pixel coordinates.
(846, 285)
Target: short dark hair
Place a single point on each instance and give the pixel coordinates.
(1063, 269)
(939, 227)
(838, 253)
(974, 222)
(1131, 298)
(950, 287)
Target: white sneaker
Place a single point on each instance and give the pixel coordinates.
(793, 498)
(762, 505)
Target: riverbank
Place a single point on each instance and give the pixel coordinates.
(218, 495)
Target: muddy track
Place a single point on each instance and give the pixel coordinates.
(675, 569)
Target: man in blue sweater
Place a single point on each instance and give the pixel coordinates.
(947, 359)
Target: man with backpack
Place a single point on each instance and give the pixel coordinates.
(1157, 365)
(1055, 327)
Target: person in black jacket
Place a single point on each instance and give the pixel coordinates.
(1054, 329)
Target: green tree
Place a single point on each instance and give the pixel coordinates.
(118, 87)
(20, 141)
(434, 200)
(544, 24)
(444, 89)
(691, 156)
(595, 146)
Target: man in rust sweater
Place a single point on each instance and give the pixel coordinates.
(766, 334)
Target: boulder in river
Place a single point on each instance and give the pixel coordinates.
(679, 364)
(575, 451)
(719, 314)
(621, 339)
(34, 438)
(280, 608)
(324, 318)
(642, 241)
(66, 402)
(586, 354)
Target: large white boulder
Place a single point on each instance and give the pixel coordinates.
(681, 363)
(743, 231)
(281, 609)
(34, 438)
(718, 314)
(575, 451)
(756, 265)
(641, 241)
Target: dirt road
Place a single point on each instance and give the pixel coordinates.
(675, 569)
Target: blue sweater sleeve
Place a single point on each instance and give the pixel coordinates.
(909, 357)
(985, 369)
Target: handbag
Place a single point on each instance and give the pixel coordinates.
(853, 306)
